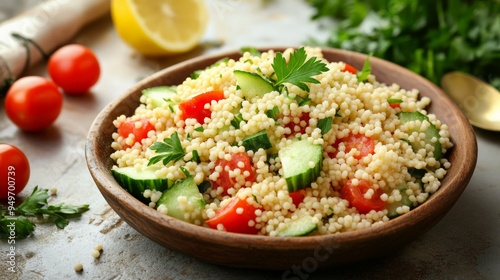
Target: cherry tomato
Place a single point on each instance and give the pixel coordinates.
(14, 171)
(195, 106)
(363, 144)
(139, 128)
(225, 180)
(235, 217)
(349, 68)
(74, 68)
(356, 196)
(33, 103)
(299, 127)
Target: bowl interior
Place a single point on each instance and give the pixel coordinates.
(224, 248)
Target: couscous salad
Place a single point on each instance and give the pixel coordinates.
(281, 144)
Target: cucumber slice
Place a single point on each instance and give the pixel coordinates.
(301, 162)
(257, 141)
(405, 201)
(136, 182)
(430, 132)
(252, 84)
(299, 227)
(160, 94)
(183, 201)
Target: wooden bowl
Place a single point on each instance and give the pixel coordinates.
(240, 250)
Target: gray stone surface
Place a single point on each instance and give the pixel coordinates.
(464, 245)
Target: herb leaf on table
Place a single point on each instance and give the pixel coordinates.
(36, 205)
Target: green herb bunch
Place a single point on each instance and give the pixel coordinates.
(14, 222)
(430, 37)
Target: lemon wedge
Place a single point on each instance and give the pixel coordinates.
(160, 27)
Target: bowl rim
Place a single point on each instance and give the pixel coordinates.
(456, 182)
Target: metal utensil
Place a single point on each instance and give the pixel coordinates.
(479, 101)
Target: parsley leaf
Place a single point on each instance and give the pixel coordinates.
(297, 71)
(34, 202)
(21, 225)
(273, 113)
(325, 125)
(195, 156)
(365, 71)
(168, 150)
(36, 205)
(236, 121)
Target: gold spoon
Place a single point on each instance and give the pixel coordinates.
(479, 101)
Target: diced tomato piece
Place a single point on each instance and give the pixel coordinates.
(395, 105)
(349, 68)
(356, 196)
(139, 128)
(297, 197)
(225, 180)
(195, 106)
(364, 144)
(235, 217)
(297, 127)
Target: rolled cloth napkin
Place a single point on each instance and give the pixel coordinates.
(46, 26)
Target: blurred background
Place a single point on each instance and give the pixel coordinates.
(9, 8)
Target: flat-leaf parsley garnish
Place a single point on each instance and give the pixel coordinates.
(297, 71)
(36, 205)
(168, 150)
(325, 125)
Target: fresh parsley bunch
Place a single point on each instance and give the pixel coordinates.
(430, 37)
(16, 221)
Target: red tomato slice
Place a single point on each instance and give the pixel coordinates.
(364, 144)
(296, 127)
(297, 197)
(356, 198)
(395, 105)
(195, 107)
(227, 182)
(235, 217)
(140, 132)
(349, 68)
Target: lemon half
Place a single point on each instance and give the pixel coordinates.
(160, 27)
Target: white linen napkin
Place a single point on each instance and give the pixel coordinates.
(49, 25)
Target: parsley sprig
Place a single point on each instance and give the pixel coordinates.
(297, 71)
(16, 220)
(168, 150)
